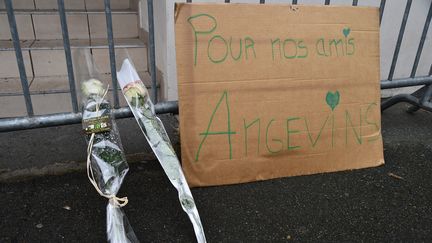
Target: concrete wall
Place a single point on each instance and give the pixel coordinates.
(394, 9)
(164, 44)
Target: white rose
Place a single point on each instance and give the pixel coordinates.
(92, 86)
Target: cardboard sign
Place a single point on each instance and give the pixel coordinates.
(269, 91)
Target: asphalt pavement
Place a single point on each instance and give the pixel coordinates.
(383, 204)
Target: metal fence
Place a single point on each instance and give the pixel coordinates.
(419, 99)
(32, 121)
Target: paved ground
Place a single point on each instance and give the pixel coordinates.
(388, 203)
(62, 147)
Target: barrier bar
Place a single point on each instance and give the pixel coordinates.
(66, 45)
(152, 50)
(399, 40)
(422, 40)
(19, 57)
(111, 52)
(22, 123)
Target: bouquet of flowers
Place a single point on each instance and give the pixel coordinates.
(152, 127)
(106, 162)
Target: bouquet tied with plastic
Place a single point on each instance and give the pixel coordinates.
(106, 161)
(138, 99)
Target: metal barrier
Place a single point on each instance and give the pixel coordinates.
(419, 99)
(32, 121)
(422, 97)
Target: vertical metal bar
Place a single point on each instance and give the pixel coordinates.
(227, 1)
(262, 1)
(327, 2)
(111, 51)
(19, 57)
(422, 40)
(188, 1)
(382, 6)
(66, 45)
(355, 2)
(152, 51)
(399, 40)
(294, 1)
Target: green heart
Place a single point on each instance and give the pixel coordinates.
(346, 31)
(332, 99)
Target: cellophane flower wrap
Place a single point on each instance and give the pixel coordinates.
(106, 162)
(137, 97)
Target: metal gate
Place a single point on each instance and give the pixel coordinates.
(419, 99)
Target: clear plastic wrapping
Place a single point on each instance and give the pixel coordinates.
(142, 107)
(106, 162)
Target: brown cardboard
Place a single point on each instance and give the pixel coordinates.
(284, 106)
